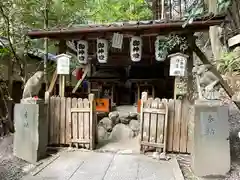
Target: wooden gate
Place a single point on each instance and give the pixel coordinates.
(72, 121)
(154, 121)
(176, 129)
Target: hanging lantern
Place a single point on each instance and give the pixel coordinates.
(79, 73)
(160, 52)
(136, 48)
(102, 50)
(82, 51)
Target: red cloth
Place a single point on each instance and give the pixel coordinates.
(79, 74)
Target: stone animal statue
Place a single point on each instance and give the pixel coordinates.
(206, 81)
(33, 85)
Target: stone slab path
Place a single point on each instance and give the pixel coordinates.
(78, 165)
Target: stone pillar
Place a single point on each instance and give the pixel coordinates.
(31, 130)
(211, 149)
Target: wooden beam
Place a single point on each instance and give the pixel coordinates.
(53, 82)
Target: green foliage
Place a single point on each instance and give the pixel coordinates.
(229, 63)
(114, 10)
(197, 10)
(223, 5)
(173, 42)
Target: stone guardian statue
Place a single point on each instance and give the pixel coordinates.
(33, 85)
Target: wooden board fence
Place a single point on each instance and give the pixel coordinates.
(179, 126)
(72, 121)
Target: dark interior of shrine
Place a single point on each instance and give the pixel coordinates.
(133, 79)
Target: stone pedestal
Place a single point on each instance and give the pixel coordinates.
(211, 149)
(31, 130)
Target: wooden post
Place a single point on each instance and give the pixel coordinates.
(138, 91)
(112, 91)
(190, 76)
(92, 122)
(143, 100)
(153, 91)
(62, 79)
(89, 75)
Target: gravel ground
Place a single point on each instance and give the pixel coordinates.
(234, 174)
(11, 167)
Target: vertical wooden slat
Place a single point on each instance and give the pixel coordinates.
(68, 121)
(147, 123)
(171, 120)
(165, 125)
(63, 121)
(92, 121)
(86, 121)
(143, 101)
(177, 123)
(154, 123)
(74, 119)
(57, 120)
(80, 124)
(160, 124)
(51, 120)
(184, 125)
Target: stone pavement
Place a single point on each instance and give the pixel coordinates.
(80, 165)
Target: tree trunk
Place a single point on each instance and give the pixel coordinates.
(214, 32)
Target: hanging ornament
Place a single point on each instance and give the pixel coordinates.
(160, 50)
(136, 48)
(102, 50)
(82, 51)
(79, 73)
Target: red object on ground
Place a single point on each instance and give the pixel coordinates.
(35, 97)
(79, 74)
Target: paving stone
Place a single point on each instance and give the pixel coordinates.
(63, 167)
(94, 168)
(79, 165)
(150, 169)
(123, 167)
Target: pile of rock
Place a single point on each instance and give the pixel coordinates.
(117, 127)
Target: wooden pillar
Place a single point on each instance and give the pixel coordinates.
(62, 78)
(190, 78)
(153, 91)
(112, 91)
(89, 75)
(190, 84)
(138, 91)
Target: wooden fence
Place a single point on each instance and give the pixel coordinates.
(72, 121)
(178, 126)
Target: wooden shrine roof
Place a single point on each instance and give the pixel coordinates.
(129, 28)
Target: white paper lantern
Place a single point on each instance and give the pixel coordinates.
(82, 51)
(160, 53)
(102, 50)
(136, 48)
